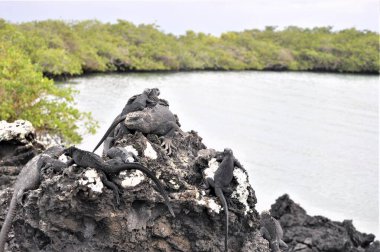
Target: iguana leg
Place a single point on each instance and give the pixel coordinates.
(20, 197)
(283, 244)
(227, 190)
(209, 182)
(167, 143)
(70, 162)
(167, 138)
(264, 232)
(110, 185)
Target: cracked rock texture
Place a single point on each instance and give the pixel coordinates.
(72, 210)
(305, 233)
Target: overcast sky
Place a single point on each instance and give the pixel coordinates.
(213, 17)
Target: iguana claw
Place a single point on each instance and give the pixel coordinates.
(167, 143)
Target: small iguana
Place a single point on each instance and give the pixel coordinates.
(29, 179)
(89, 159)
(271, 231)
(121, 154)
(222, 179)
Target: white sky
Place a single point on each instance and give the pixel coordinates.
(215, 16)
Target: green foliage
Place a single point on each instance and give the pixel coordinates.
(26, 94)
(71, 48)
(58, 48)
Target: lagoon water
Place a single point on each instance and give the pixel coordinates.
(311, 135)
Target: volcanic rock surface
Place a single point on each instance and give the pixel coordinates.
(305, 233)
(73, 211)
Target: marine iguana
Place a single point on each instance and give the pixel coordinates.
(222, 178)
(271, 231)
(89, 159)
(149, 98)
(121, 154)
(158, 120)
(29, 179)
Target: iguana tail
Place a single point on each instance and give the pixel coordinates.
(110, 129)
(219, 193)
(137, 166)
(8, 221)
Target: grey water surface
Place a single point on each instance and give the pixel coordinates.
(311, 135)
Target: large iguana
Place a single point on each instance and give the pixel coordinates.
(149, 98)
(158, 120)
(29, 179)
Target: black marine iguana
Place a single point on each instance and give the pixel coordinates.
(271, 231)
(158, 120)
(29, 179)
(222, 178)
(149, 98)
(121, 154)
(89, 159)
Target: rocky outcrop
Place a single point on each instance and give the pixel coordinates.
(18, 144)
(73, 211)
(304, 233)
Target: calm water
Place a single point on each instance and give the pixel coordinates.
(314, 136)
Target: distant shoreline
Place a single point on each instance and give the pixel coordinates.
(63, 49)
(64, 77)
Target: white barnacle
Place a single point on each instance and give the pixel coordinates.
(241, 193)
(212, 167)
(149, 152)
(132, 150)
(92, 180)
(132, 179)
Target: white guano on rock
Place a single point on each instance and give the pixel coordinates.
(92, 180)
(133, 178)
(212, 167)
(241, 193)
(149, 152)
(208, 202)
(17, 130)
(132, 150)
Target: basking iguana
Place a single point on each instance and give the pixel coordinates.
(149, 98)
(271, 231)
(158, 120)
(29, 179)
(121, 154)
(89, 159)
(222, 179)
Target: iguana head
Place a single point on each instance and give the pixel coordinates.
(265, 215)
(227, 151)
(69, 151)
(152, 92)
